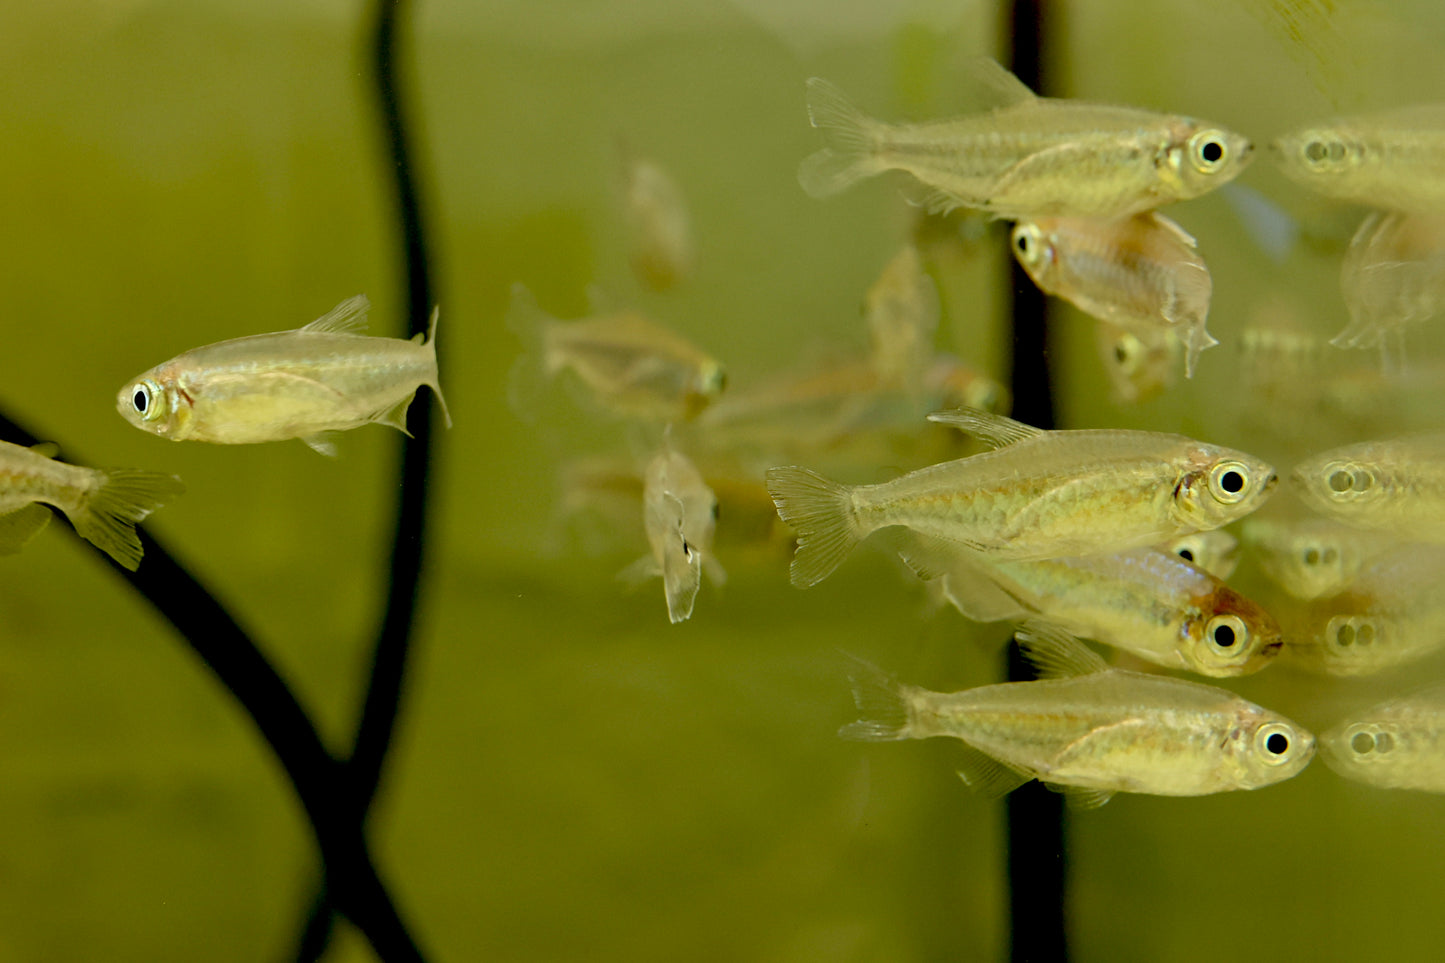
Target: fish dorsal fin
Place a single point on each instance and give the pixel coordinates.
(997, 85)
(1056, 654)
(348, 317)
(46, 449)
(996, 430)
(1082, 797)
(988, 776)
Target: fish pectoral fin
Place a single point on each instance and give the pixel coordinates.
(1068, 156)
(1082, 797)
(965, 580)
(348, 317)
(1055, 653)
(20, 526)
(988, 776)
(640, 571)
(322, 443)
(996, 431)
(935, 200)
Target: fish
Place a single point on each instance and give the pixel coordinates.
(1145, 601)
(902, 310)
(1037, 494)
(1396, 486)
(307, 383)
(1390, 613)
(1387, 159)
(659, 229)
(1311, 558)
(1215, 552)
(1392, 276)
(103, 504)
(1398, 744)
(1089, 731)
(1140, 365)
(679, 514)
(1028, 156)
(1141, 273)
(629, 364)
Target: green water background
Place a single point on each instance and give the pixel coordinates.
(574, 777)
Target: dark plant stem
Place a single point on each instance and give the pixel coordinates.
(1037, 862)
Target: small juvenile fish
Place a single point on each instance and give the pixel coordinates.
(1391, 613)
(1399, 744)
(1393, 275)
(1038, 494)
(304, 383)
(1090, 731)
(902, 313)
(1395, 486)
(659, 230)
(679, 513)
(1215, 552)
(1030, 156)
(1144, 600)
(104, 504)
(1388, 159)
(1141, 273)
(1314, 557)
(633, 366)
(1140, 365)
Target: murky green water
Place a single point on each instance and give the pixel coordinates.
(576, 778)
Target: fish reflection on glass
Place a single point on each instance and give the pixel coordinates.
(1139, 364)
(1038, 494)
(659, 229)
(306, 383)
(1029, 156)
(1389, 159)
(1090, 731)
(1398, 744)
(1145, 601)
(1395, 486)
(1141, 273)
(104, 504)
(1215, 552)
(902, 313)
(679, 514)
(631, 365)
(1391, 613)
(1393, 275)
(1314, 557)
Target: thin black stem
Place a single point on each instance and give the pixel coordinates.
(1037, 863)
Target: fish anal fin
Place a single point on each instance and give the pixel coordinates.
(348, 317)
(20, 526)
(1055, 653)
(987, 776)
(1082, 797)
(323, 443)
(995, 430)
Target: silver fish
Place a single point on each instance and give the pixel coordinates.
(679, 513)
(1314, 557)
(303, 384)
(1039, 494)
(1215, 552)
(104, 504)
(1091, 731)
(1030, 156)
(659, 229)
(1395, 486)
(1388, 159)
(1392, 276)
(1139, 364)
(902, 313)
(1399, 744)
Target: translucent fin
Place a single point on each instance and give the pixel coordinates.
(988, 776)
(46, 449)
(1195, 339)
(323, 443)
(978, 597)
(20, 526)
(642, 570)
(435, 383)
(882, 702)
(395, 416)
(1082, 797)
(933, 200)
(998, 83)
(852, 139)
(995, 430)
(1056, 654)
(106, 517)
(821, 513)
(1271, 228)
(1172, 227)
(348, 317)
(1046, 163)
(681, 577)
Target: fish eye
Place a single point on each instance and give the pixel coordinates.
(1316, 151)
(146, 399)
(1207, 151)
(1186, 554)
(1228, 482)
(140, 400)
(1028, 244)
(1362, 743)
(1227, 634)
(1312, 556)
(1274, 741)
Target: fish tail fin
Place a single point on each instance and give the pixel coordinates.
(435, 382)
(884, 704)
(821, 513)
(534, 368)
(107, 515)
(852, 142)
